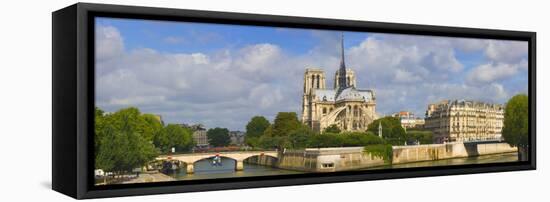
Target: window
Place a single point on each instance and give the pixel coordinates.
(312, 81)
(318, 81)
(327, 165)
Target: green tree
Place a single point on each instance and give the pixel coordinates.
(174, 136)
(326, 140)
(420, 136)
(345, 139)
(299, 138)
(332, 129)
(392, 131)
(121, 142)
(351, 139)
(284, 123)
(269, 142)
(254, 129)
(268, 131)
(152, 127)
(516, 124)
(218, 137)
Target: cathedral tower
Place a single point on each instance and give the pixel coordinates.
(313, 79)
(345, 105)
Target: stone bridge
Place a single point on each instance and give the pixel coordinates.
(239, 157)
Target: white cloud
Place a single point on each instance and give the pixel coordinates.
(109, 43)
(222, 88)
(488, 73)
(506, 51)
(227, 86)
(387, 58)
(254, 58)
(403, 76)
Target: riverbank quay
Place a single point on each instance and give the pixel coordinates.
(150, 177)
(433, 152)
(331, 159)
(356, 158)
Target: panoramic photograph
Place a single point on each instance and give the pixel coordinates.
(179, 101)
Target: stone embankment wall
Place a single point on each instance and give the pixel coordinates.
(431, 152)
(327, 159)
(353, 158)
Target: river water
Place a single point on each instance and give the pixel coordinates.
(205, 170)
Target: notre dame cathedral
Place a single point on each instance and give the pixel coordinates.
(351, 109)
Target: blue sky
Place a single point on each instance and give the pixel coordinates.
(178, 37)
(222, 75)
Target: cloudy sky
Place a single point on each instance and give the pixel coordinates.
(222, 75)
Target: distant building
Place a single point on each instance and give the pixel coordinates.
(199, 134)
(159, 118)
(408, 120)
(200, 138)
(237, 138)
(460, 121)
(193, 127)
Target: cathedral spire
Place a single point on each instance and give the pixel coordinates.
(342, 58)
(342, 74)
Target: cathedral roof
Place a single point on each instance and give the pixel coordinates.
(346, 94)
(351, 93)
(325, 94)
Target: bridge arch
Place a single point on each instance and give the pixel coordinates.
(262, 159)
(238, 157)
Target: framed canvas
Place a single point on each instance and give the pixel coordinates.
(157, 100)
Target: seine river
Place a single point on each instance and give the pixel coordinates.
(205, 170)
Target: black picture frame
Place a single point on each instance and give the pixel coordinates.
(73, 99)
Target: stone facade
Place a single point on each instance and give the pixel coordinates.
(237, 138)
(408, 120)
(462, 121)
(349, 108)
(328, 159)
(200, 138)
(433, 152)
(159, 119)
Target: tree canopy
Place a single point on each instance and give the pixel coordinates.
(218, 137)
(392, 131)
(420, 136)
(174, 136)
(300, 137)
(255, 129)
(346, 139)
(122, 140)
(332, 129)
(284, 123)
(516, 121)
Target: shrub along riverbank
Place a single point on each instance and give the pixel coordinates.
(288, 132)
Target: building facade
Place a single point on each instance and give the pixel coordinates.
(199, 134)
(344, 105)
(159, 118)
(237, 138)
(462, 121)
(408, 120)
(200, 138)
